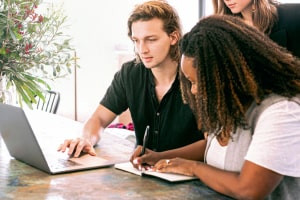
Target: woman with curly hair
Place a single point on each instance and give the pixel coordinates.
(280, 21)
(243, 90)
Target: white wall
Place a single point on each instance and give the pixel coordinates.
(99, 29)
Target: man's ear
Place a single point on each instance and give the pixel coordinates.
(174, 37)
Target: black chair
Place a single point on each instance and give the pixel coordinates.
(52, 99)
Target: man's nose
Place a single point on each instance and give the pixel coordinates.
(143, 48)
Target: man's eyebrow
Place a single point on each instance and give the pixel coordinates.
(148, 36)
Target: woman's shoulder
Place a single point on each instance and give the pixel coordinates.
(278, 109)
(275, 100)
(289, 12)
(286, 30)
(289, 6)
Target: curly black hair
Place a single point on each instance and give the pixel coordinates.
(236, 64)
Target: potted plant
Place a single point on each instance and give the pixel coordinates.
(33, 48)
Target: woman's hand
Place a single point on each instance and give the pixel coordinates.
(76, 146)
(176, 165)
(146, 160)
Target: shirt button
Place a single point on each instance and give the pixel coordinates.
(157, 114)
(156, 132)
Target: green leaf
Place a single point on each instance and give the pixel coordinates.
(23, 95)
(12, 35)
(18, 36)
(2, 51)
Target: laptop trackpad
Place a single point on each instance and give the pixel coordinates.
(87, 159)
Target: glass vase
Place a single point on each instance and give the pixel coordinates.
(5, 95)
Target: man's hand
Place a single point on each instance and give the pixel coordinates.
(76, 146)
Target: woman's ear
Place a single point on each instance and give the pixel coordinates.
(174, 37)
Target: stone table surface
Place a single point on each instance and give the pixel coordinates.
(21, 181)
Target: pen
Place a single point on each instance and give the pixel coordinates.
(145, 140)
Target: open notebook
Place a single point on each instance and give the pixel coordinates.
(127, 166)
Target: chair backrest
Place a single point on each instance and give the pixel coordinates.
(52, 99)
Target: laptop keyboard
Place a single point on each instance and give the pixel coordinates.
(63, 163)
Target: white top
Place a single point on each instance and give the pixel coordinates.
(216, 154)
(276, 140)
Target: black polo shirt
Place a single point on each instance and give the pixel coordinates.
(172, 123)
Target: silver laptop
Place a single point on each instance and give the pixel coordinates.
(23, 144)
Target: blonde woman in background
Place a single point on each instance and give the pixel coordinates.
(281, 22)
